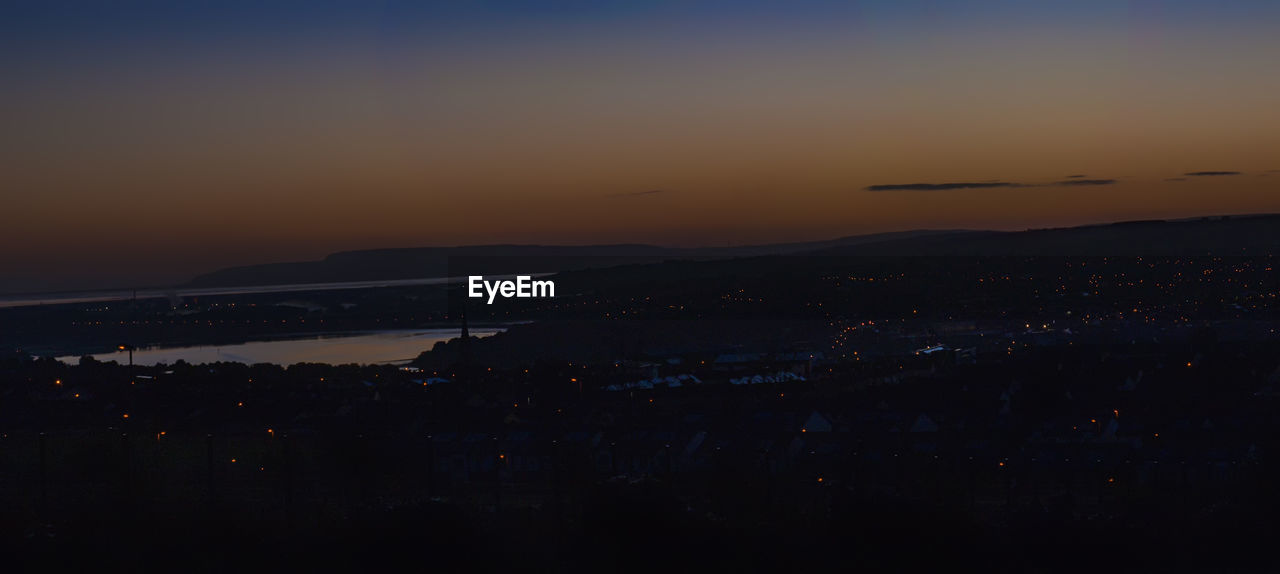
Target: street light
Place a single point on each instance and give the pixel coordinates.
(128, 347)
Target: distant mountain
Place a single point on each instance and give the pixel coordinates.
(424, 262)
(1223, 235)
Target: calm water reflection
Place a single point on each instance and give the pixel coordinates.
(337, 348)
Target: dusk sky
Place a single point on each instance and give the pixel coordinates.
(145, 142)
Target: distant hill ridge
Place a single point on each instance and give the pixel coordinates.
(1222, 235)
(1218, 235)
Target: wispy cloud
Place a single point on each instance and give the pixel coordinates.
(940, 186)
(1083, 182)
(1211, 173)
(1076, 176)
(1072, 181)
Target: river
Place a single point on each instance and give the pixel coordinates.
(365, 348)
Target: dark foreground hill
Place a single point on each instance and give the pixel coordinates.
(1221, 236)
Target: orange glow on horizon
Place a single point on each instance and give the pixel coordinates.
(150, 169)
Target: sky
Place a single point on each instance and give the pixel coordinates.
(145, 142)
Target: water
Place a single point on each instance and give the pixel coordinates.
(28, 300)
(381, 347)
(177, 294)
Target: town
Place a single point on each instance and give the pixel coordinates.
(1116, 401)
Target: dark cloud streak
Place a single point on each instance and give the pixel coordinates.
(1210, 173)
(996, 184)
